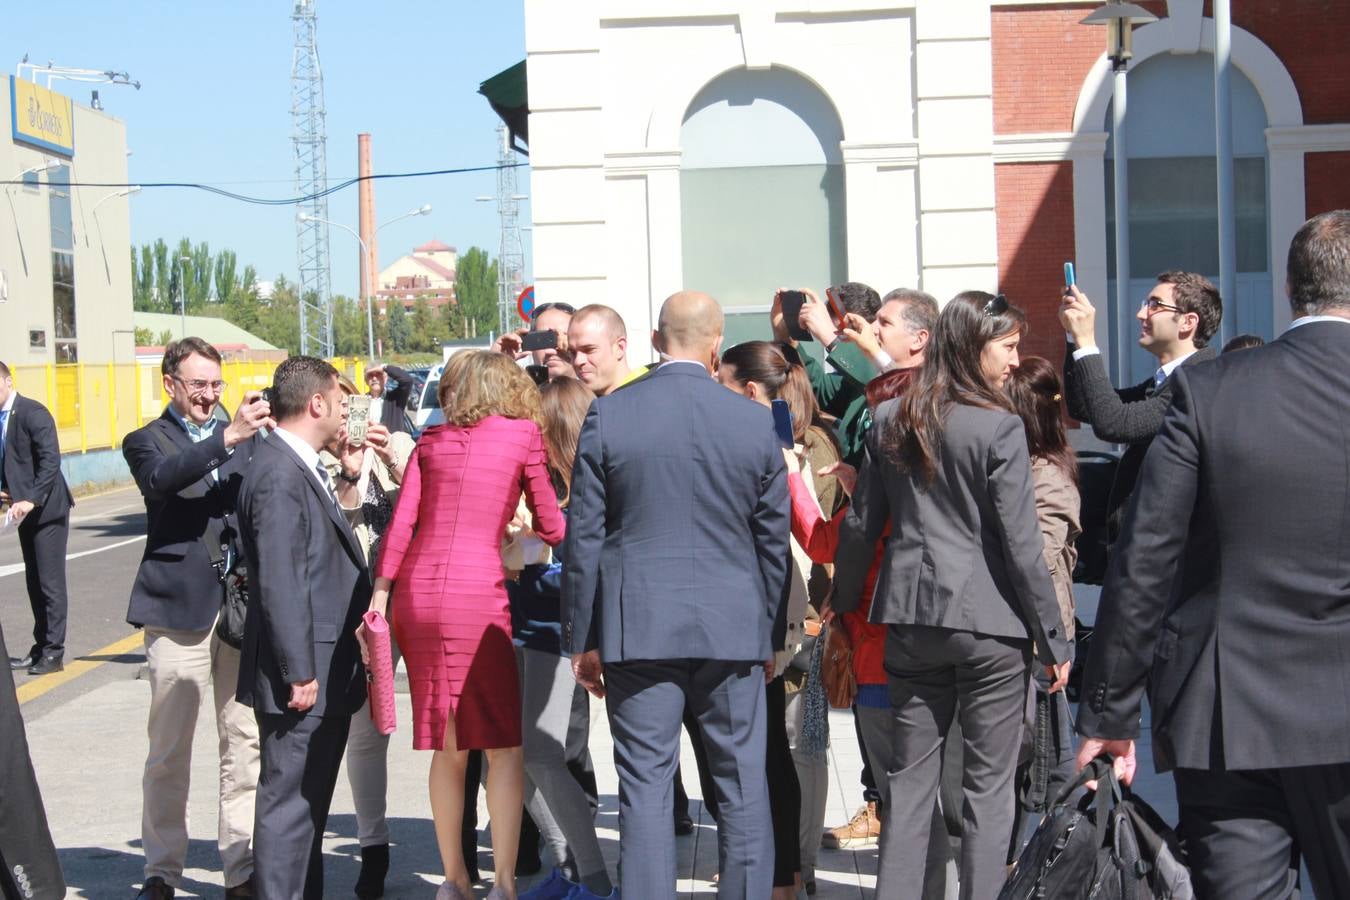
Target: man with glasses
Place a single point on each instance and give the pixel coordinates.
(189, 464)
(35, 496)
(1176, 320)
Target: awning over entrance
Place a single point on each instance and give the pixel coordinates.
(506, 92)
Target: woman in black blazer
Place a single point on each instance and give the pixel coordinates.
(963, 588)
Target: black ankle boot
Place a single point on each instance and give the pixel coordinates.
(374, 866)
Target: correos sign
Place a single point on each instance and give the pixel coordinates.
(41, 118)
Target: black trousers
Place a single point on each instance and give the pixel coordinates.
(300, 760)
(785, 792)
(1245, 832)
(26, 849)
(44, 559)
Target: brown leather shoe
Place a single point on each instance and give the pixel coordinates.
(243, 889)
(156, 888)
(863, 830)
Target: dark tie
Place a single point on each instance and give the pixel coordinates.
(4, 417)
(326, 480)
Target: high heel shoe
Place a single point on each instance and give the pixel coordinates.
(448, 891)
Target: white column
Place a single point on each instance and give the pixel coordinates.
(954, 102)
(881, 194)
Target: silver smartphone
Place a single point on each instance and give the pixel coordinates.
(358, 417)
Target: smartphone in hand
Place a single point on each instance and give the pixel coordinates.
(1069, 279)
(540, 340)
(836, 310)
(358, 418)
(791, 304)
(782, 423)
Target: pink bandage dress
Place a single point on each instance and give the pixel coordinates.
(442, 550)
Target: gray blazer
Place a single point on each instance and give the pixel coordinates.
(965, 552)
(678, 525)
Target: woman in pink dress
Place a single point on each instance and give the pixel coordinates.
(450, 616)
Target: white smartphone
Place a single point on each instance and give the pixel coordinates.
(358, 417)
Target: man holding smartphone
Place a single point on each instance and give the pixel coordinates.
(544, 341)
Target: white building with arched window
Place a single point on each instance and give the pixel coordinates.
(739, 147)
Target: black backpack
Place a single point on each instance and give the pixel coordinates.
(1102, 845)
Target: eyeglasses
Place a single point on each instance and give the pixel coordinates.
(996, 306)
(545, 307)
(197, 385)
(1153, 304)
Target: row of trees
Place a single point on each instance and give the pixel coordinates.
(213, 286)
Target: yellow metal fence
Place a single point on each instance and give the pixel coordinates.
(97, 404)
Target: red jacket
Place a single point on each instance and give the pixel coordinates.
(819, 537)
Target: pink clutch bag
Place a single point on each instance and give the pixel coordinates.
(380, 674)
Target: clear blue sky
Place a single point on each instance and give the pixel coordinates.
(214, 106)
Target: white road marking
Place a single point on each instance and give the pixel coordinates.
(16, 568)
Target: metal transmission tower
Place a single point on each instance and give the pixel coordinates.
(308, 138)
(511, 255)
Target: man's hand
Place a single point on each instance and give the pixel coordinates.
(1079, 318)
(1122, 754)
(304, 694)
(860, 332)
(254, 413)
(590, 672)
(815, 318)
(1059, 675)
(20, 510)
(847, 475)
(510, 343)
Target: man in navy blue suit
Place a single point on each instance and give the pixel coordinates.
(677, 550)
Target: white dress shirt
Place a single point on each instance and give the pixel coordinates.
(309, 456)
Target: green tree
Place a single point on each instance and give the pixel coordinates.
(166, 337)
(476, 290)
(399, 331)
(143, 279)
(166, 278)
(144, 337)
(279, 319)
(349, 327)
(226, 282)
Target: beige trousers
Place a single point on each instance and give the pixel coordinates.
(183, 666)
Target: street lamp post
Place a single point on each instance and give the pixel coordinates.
(1120, 18)
(424, 209)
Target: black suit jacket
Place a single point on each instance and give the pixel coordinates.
(33, 461)
(1229, 593)
(308, 587)
(1130, 416)
(678, 524)
(176, 585)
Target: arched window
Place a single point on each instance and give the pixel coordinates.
(1174, 194)
(761, 192)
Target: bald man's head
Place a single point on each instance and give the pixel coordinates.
(690, 327)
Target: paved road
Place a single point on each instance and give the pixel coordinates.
(107, 534)
(87, 729)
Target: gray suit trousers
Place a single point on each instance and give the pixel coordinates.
(301, 756)
(645, 701)
(936, 674)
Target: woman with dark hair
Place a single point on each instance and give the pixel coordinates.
(963, 588)
(1037, 396)
(760, 370)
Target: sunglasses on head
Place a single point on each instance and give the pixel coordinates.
(545, 307)
(996, 306)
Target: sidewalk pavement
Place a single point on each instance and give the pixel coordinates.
(89, 754)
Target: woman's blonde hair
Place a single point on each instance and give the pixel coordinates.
(348, 386)
(565, 403)
(480, 383)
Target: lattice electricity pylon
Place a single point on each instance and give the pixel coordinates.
(308, 139)
(510, 255)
